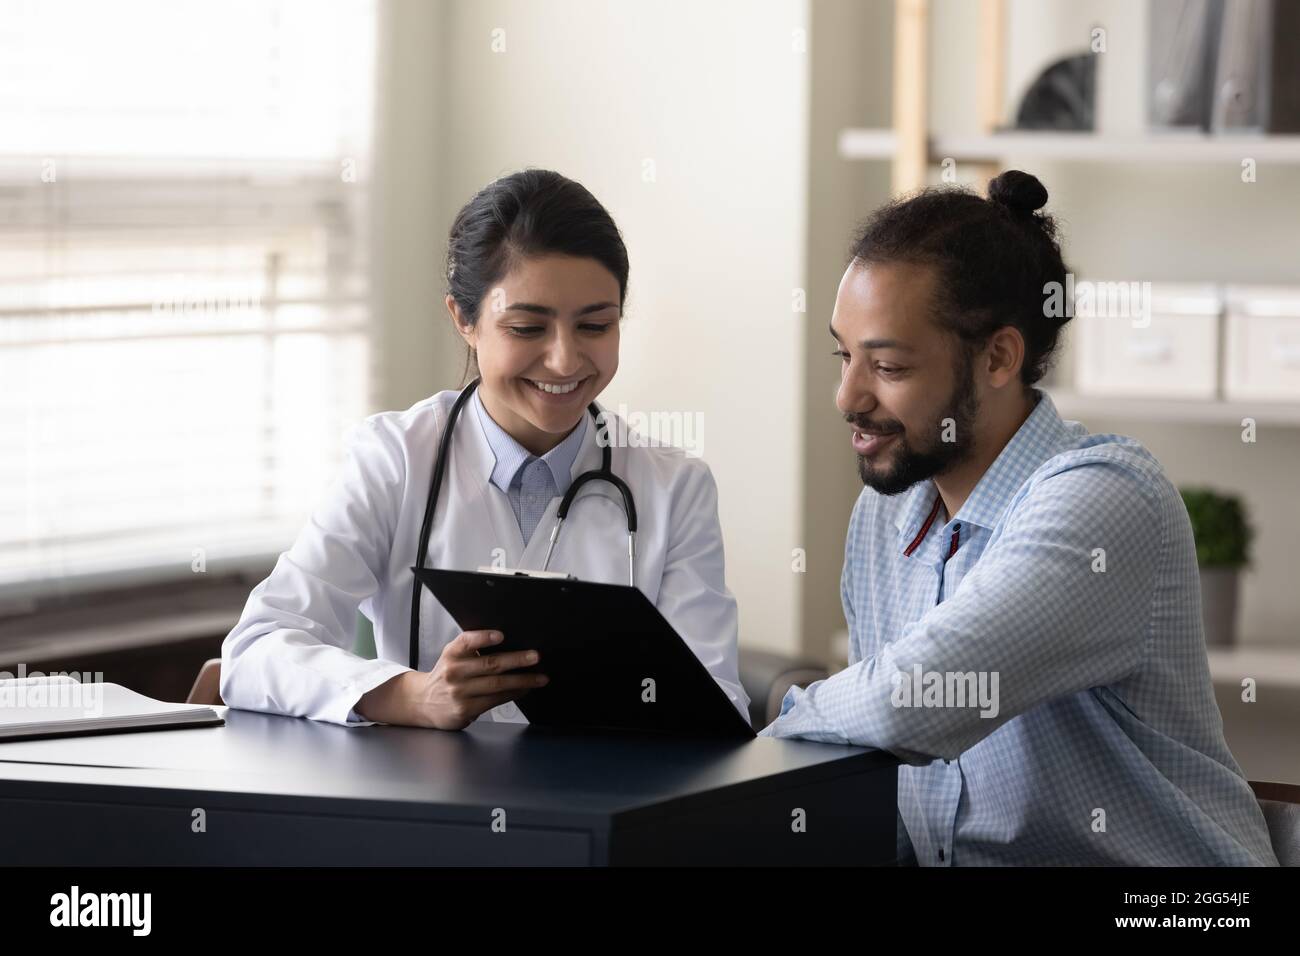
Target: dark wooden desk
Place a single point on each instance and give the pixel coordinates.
(272, 790)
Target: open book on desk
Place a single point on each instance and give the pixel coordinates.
(58, 706)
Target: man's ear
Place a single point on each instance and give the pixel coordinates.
(465, 330)
(1005, 355)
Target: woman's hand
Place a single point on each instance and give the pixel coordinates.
(462, 685)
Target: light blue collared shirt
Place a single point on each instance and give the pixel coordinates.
(529, 482)
(1069, 575)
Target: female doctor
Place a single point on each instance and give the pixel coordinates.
(537, 275)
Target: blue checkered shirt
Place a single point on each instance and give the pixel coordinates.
(529, 482)
(1069, 574)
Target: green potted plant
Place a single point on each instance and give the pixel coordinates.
(1223, 541)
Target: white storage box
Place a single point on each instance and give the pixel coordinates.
(1262, 343)
(1162, 345)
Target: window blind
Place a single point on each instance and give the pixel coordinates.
(185, 336)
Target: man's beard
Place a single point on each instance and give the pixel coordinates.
(909, 463)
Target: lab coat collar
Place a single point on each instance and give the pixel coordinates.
(473, 459)
(509, 456)
(474, 455)
(590, 452)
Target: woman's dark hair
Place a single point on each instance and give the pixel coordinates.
(528, 213)
(993, 259)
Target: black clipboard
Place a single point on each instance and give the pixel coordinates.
(598, 644)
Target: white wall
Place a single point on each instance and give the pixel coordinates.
(852, 60)
(714, 95)
(413, 357)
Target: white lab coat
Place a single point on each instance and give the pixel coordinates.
(290, 652)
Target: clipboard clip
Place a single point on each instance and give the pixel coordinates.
(525, 573)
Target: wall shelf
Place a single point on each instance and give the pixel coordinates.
(1268, 664)
(868, 144)
(1171, 147)
(1173, 410)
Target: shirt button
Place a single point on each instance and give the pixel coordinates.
(940, 854)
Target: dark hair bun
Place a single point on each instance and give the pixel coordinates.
(1019, 192)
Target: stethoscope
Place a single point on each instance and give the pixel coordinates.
(604, 473)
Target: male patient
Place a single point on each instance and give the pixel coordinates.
(1022, 597)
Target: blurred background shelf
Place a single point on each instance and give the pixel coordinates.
(1269, 665)
(1260, 732)
(1080, 407)
(1081, 147)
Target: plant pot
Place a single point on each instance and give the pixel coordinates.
(1219, 605)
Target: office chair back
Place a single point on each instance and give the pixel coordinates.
(207, 686)
(767, 676)
(1281, 805)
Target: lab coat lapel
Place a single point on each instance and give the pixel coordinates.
(475, 462)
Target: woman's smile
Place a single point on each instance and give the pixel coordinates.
(562, 392)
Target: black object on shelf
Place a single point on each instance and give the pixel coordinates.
(1063, 97)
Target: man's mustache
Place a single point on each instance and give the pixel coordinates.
(873, 428)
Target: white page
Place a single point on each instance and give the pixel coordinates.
(36, 702)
